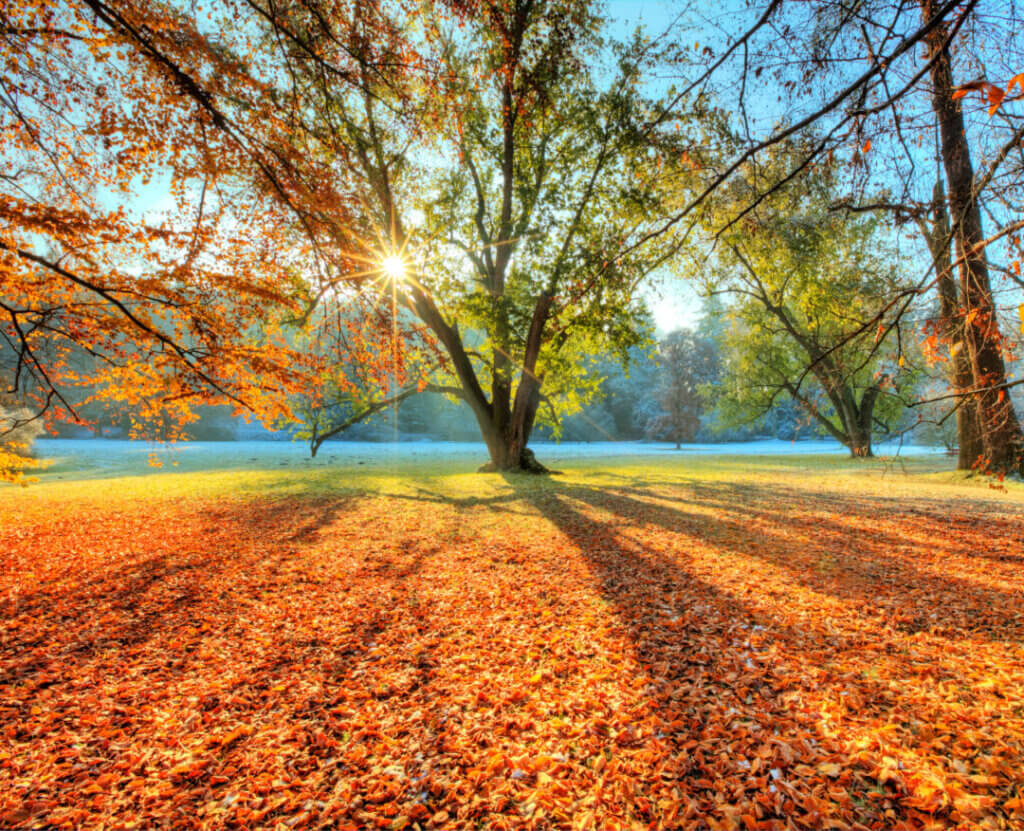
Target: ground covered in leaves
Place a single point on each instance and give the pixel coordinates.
(673, 645)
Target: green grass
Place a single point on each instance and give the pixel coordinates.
(229, 473)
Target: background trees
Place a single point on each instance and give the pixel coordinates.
(818, 300)
(874, 79)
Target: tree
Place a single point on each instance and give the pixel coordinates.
(517, 189)
(159, 315)
(687, 363)
(1001, 438)
(18, 430)
(367, 129)
(879, 75)
(807, 284)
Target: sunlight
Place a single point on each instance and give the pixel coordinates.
(394, 267)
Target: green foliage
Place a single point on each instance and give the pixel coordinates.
(586, 187)
(815, 296)
(688, 363)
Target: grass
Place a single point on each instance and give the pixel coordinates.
(704, 642)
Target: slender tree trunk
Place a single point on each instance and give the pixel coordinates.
(1001, 438)
(939, 237)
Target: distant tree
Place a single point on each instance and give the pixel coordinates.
(807, 285)
(687, 362)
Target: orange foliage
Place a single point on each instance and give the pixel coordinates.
(108, 106)
(661, 656)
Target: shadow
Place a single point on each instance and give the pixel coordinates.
(743, 660)
(673, 652)
(247, 638)
(215, 564)
(838, 545)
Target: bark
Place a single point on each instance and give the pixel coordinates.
(510, 431)
(939, 238)
(859, 428)
(855, 420)
(1001, 439)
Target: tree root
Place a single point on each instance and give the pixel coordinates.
(527, 464)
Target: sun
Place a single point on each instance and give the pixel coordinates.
(393, 267)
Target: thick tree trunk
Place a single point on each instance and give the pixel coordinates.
(508, 451)
(860, 447)
(508, 435)
(856, 418)
(858, 433)
(939, 237)
(1001, 438)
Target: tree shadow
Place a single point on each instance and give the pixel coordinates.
(130, 601)
(254, 616)
(838, 545)
(757, 696)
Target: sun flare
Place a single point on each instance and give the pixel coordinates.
(394, 267)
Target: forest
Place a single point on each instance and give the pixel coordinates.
(269, 267)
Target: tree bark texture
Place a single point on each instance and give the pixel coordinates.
(1002, 442)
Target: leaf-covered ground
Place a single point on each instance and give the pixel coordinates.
(670, 646)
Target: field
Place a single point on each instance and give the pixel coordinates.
(665, 641)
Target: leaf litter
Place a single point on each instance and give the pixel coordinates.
(554, 653)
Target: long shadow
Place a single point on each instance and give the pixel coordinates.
(714, 682)
(685, 633)
(844, 553)
(252, 620)
(134, 600)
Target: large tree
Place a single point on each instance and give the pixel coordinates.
(508, 186)
(816, 304)
(498, 153)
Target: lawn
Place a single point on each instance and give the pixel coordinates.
(657, 642)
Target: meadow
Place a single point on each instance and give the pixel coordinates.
(659, 641)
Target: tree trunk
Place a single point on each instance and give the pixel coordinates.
(1001, 438)
(507, 448)
(507, 435)
(860, 447)
(860, 425)
(939, 237)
